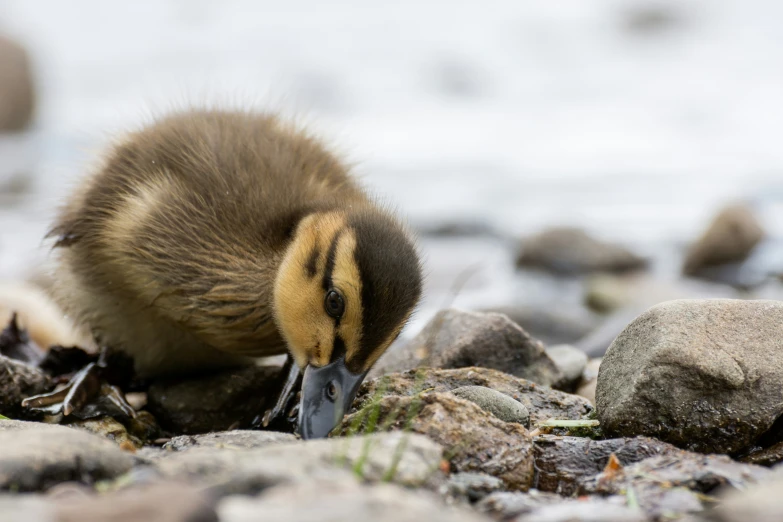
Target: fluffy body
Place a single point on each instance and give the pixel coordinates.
(210, 238)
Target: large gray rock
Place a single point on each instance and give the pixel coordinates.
(563, 462)
(17, 92)
(730, 238)
(26, 508)
(594, 509)
(342, 500)
(475, 441)
(37, 456)
(215, 402)
(701, 374)
(235, 439)
(408, 459)
(498, 404)
(569, 251)
(161, 502)
(459, 339)
(541, 402)
(17, 382)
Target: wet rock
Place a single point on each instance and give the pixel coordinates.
(498, 404)
(594, 509)
(458, 339)
(571, 251)
(675, 483)
(17, 94)
(215, 402)
(730, 238)
(551, 326)
(765, 456)
(109, 428)
(571, 362)
(37, 456)
(18, 381)
(24, 508)
(245, 439)
(589, 380)
(473, 486)
(700, 374)
(407, 459)
(161, 502)
(342, 500)
(507, 505)
(760, 502)
(541, 402)
(474, 440)
(562, 462)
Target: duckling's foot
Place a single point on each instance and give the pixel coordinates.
(88, 394)
(283, 414)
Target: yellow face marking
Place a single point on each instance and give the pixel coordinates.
(299, 294)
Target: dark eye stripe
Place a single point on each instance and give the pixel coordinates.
(330, 261)
(312, 263)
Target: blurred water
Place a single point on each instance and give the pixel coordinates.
(632, 118)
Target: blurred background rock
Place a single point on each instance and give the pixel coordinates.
(564, 165)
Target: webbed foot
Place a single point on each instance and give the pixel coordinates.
(282, 416)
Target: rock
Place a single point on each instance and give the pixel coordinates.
(17, 382)
(407, 459)
(507, 505)
(701, 374)
(541, 402)
(498, 404)
(571, 251)
(571, 362)
(215, 402)
(37, 456)
(606, 293)
(674, 483)
(550, 325)
(589, 380)
(590, 510)
(342, 500)
(562, 462)
(161, 502)
(26, 508)
(765, 456)
(475, 440)
(467, 228)
(760, 502)
(730, 238)
(473, 486)
(109, 428)
(458, 339)
(17, 93)
(245, 439)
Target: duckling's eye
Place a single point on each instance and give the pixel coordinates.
(334, 304)
(331, 391)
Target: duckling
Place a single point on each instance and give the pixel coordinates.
(210, 238)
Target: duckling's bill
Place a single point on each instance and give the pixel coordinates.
(327, 394)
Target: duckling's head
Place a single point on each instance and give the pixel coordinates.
(347, 285)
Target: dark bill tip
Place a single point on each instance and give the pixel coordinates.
(327, 393)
